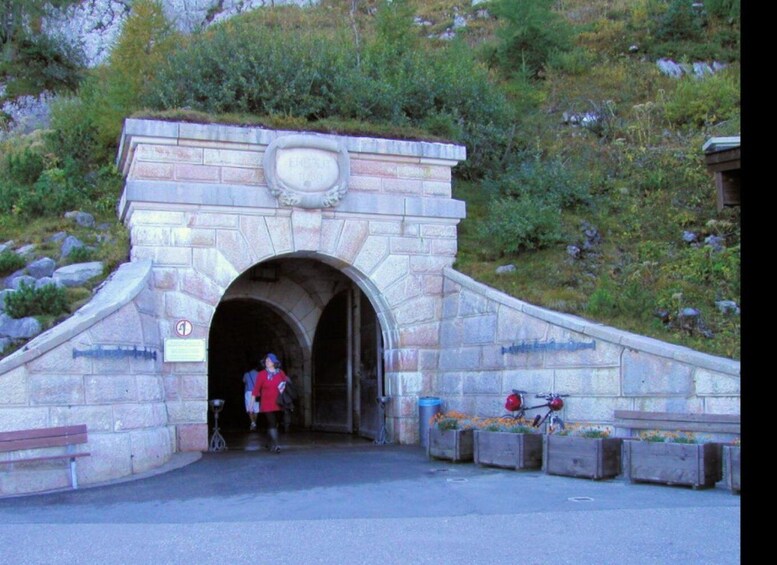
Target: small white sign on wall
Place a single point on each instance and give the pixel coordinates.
(184, 350)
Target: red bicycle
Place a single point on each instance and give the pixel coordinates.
(516, 404)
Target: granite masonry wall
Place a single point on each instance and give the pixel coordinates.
(101, 367)
(205, 204)
(493, 343)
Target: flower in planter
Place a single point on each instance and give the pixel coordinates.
(511, 425)
(667, 437)
(453, 420)
(584, 430)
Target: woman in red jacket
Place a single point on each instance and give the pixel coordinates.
(270, 383)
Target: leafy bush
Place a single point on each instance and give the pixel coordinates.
(724, 9)
(53, 193)
(73, 134)
(550, 180)
(237, 67)
(703, 102)
(23, 166)
(682, 20)
(81, 255)
(10, 262)
(41, 63)
(518, 224)
(530, 35)
(48, 300)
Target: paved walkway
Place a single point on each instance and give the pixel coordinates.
(355, 502)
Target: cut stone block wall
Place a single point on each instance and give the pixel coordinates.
(101, 367)
(494, 343)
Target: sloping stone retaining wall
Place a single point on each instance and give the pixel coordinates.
(100, 367)
(491, 343)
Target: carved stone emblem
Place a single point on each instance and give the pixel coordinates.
(307, 171)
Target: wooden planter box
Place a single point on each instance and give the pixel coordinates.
(732, 465)
(696, 465)
(509, 450)
(571, 456)
(456, 445)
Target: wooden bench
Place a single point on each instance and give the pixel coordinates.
(63, 436)
(677, 421)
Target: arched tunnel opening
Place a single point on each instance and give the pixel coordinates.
(242, 332)
(329, 342)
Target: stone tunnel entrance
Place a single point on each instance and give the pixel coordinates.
(328, 339)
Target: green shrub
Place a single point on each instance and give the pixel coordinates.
(517, 224)
(681, 20)
(24, 166)
(241, 68)
(10, 262)
(41, 63)
(48, 300)
(551, 180)
(724, 9)
(81, 255)
(52, 194)
(530, 35)
(602, 301)
(73, 134)
(704, 102)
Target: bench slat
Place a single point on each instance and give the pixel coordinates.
(46, 458)
(35, 443)
(60, 436)
(675, 421)
(43, 432)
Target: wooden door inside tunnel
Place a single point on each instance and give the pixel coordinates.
(348, 366)
(242, 332)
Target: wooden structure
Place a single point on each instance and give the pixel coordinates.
(456, 445)
(508, 449)
(30, 441)
(675, 421)
(590, 458)
(722, 156)
(732, 467)
(692, 464)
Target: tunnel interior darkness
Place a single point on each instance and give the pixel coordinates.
(242, 332)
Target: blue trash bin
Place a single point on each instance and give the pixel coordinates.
(428, 406)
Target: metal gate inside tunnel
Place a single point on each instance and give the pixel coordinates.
(331, 348)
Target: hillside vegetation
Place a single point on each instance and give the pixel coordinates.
(585, 174)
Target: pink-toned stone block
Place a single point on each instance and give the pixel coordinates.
(233, 175)
(424, 172)
(351, 239)
(365, 184)
(201, 287)
(403, 186)
(437, 188)
(373, 168)
(152, 171)
(232, 158)
(192, 437)
(201, 173)
(168, 153)
(424, 335)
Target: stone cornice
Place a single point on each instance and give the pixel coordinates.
(145, 130)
